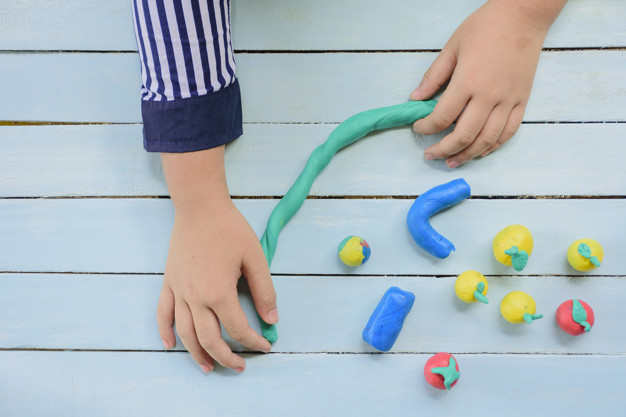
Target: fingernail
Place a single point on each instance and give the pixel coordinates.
(272, 315)
(206, 368)
(453, 164)
(429, 157)
(166, 345)
(238, 370)
(485, 153)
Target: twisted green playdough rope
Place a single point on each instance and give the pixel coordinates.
(348, 132)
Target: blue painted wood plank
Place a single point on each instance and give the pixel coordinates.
(313, 25)
(296, 87)
(132, 235)
(159, 384)
(318, 314)
(43, 161)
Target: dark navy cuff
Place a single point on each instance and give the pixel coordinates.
(192, 124)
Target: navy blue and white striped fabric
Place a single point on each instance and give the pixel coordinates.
(186, 53)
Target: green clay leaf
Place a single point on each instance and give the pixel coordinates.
(480, 297)
(594, 260)
(579, 314)
(584, 250)
(512, 251)
(586, 325)
(478, 294)
(449, 373)
(529, 318)
(519, 260)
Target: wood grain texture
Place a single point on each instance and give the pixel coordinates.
(318, 314)
(160, 384)
(108, 160)
(310, 25)
(299, 87)
(132, 235)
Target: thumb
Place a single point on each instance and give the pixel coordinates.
(257, 273)
(436, 76)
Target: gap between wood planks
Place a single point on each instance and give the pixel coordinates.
(330, 352)
(295, 51)
(333, 197)
(54, 123)
(305, 275)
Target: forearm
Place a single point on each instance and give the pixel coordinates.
(539, 13)
(196, 180)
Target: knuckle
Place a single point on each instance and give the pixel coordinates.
(184, 334)
(509, 131)
(442, 120)
(429, 76)
(465, 139)
(212, 299)
(207, 343)
(236, 334)
(269, 298)
(489, 138)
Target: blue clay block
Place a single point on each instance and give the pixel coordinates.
(386, 321)
(428, 204)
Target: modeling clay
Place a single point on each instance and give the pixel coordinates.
(354, 251)
(348, 132)
(513, 246)
(471, 286)
(428, 204)
(442, 371)
(387, 320)
(575, 317)
(518, 307)
(585, 254)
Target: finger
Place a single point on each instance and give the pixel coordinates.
(234, 321)
(487, 137)
(165, 316)
(436, 76)
(257, 273)
(187, 332)
(210, 338)
(467, 129)
(510, 128)
(445, 113)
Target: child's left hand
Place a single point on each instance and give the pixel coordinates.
(490, 61)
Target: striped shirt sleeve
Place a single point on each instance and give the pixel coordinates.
(190, 98)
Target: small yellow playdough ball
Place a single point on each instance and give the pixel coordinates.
(585, 254)
(518, 307)
(471, 286)
(513, 245)
(354, 251)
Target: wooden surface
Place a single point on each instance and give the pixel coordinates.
(86, 219)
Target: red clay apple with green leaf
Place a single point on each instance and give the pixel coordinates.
(575, 317)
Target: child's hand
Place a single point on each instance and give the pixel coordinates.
(211, 247)
(490, 61)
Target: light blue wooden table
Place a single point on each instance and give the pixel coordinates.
(85, 219)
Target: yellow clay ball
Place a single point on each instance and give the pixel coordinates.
(580, 262)
(513, 235)
(515, 304)
(466, 283)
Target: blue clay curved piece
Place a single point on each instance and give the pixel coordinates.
(386, 321)
(428, 204)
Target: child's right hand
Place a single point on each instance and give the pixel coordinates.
(211, 247)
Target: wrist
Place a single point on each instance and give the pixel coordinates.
(539, 14)
(197, 181)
